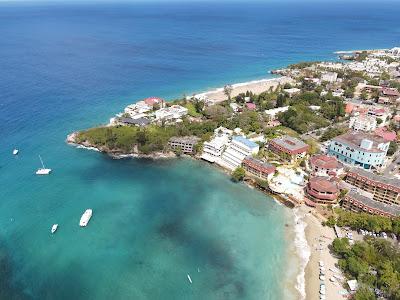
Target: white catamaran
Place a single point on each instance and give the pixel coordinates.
(42, 170)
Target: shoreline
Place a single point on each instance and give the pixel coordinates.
(255, 86)
(302, 281)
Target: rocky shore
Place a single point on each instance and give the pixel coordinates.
(116, 153)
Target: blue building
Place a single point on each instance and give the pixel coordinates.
(360, 149)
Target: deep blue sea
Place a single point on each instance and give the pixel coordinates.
(65, 67)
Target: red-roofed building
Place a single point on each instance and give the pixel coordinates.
(322, 190)
(258, 168)
(288, 146)
(250, 106)
(386, 134)
(324, 165)
(153, 101)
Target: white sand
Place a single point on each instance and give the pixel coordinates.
(257, 87)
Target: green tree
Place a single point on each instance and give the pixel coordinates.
(228, 91)
(238, 174)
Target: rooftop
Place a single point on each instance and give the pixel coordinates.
(245, 141)
(386, 134)
(325, 161)
(323, 184)
(374, 177)
(391, 209)
(184, 139)
(258, 163)
(289, 142)
(354, 139)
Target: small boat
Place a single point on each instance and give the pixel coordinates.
(42, 170)
(15, 151)
(54, 228)
(85, 218)
(189, 278)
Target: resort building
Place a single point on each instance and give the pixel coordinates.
(185, 144)
(258, 168)
(363, 122)
(360, 149)
(153, 101)
(236, 152)
(288, 146)
(324, 165)
(358, 202)
(322, 190)
(171, 113)
(382, 188)
(213, 149)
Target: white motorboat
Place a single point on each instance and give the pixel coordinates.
(54, 228)
(15, 151)
(189, 278)
(85, 217)
(42, 170)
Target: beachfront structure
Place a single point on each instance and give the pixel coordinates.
(360, 149)
(330, 77)
(322, 190)
(273, 113)
(324, 165)
(171, 113)
(137, 109)
(363, 122)
(140, 122)
(153, 101)
(236, 152)
(258, 168)
(185, 144)
(213, 149)
(384, 189)
(359, 202)
(288, 146)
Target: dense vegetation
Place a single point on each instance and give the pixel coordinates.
(238, 174)
(365, 221)
(149, 139)
(302, 119)
(332, 132)
(375, 263)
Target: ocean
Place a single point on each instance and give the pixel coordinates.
(70, 66)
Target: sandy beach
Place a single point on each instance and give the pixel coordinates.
(318, 238)
(257, 87)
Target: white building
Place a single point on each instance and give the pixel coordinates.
(138, 108)
(363, 123)
(330, 77)
(236, 152)
(220, 131)
(293, 91)
(272, 113)
(170, 113)
(212, 150)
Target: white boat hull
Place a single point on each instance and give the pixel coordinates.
(43, 171)
(54, 228)
(85, 218)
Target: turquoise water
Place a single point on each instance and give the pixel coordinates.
(65, 67)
